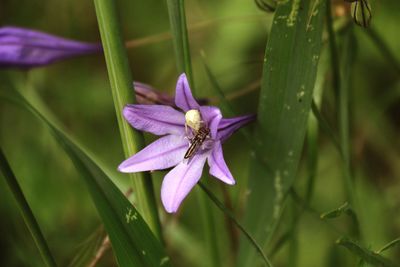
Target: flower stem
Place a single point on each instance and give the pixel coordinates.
(123, 93)
(26, 211)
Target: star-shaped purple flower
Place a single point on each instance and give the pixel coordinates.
(169, 150)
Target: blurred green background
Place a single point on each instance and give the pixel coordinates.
(232, 35)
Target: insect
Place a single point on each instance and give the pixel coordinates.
(193, 119)
(197, 141)
(201, 131)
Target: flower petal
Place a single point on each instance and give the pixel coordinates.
(180, 180)
(228, 126)
(212, 116)
(183, 96)
(20, 47)
(161, 154)
(156, 119)
(218, 166)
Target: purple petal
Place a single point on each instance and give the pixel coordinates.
(180, 180)
(212, 116)
(156, 119)
(183, 95)
(228, 126)
(163, 153)
(146, 94)
(21, 47)
(218, 166)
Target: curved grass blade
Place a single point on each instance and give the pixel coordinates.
(367, 255)
(289, 73)
(389, 245)
(251, 240)
(26, 211)
(344, 209)
(133, 242)
(121, 88)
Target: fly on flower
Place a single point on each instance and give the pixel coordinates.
(195, 123)
(193, 132)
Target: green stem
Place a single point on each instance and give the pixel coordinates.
(26, 211)
(232, 217)
(122, 91)
(177, 18)
(333, 50)
(210, 230)
(342, 105)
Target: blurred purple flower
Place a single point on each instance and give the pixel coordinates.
(146, 94)
(169, 150)
(20, 47)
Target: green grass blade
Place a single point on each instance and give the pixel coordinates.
(26, 211)
(323, 123)
(389, 245)
(133, 242)
(122, 91)
(312, 127)
(289, 73)
(343, 107)
(365, 254)
(344, 209)
(251, 240)
(177, 19)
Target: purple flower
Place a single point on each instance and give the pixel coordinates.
(21, 47)
(169, 150)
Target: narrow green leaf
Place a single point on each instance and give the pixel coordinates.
(336, 212)
(344, 209)
(251, 240)
(289, 73)
(367, 255)
(26, 211)
(177, 19)
(312, 127)
(122, 91)
(343, 107)
(322, 122)
(133, 242)
(389, 245)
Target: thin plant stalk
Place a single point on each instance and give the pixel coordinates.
(236, 222)
(26, 212)
(177, 19)
(122, 91)
(341, 104)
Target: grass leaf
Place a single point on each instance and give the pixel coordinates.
(122, 91)
(389, 245)
(133, 242)
(367, 255)
(289, 73)
(26, 211)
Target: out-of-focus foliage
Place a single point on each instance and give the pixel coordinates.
(232, 35)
